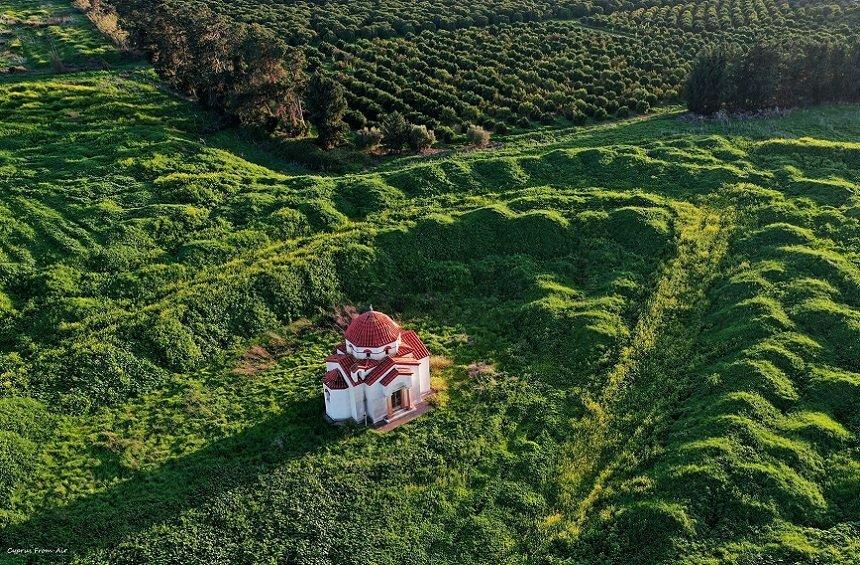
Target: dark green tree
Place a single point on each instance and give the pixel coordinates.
(213, 45)
(326, 105)
(266, 81)
(755, 79)
(396, 131)
(707, 82)
(244, 71)
(843, 73)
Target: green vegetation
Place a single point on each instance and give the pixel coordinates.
(327, 106)
(517, 64)
(573, 64)
(647, 331)
(49, 34)
(653, 326)
(773, 75)
(244, 72)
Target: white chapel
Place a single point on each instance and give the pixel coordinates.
(378, 374)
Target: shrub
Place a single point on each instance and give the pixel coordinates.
(90, 374)
(445, 133)
(396, 131)
(18, 456)
(478, 136)
(446, 276)
(421, 138)
(355, 119)
(287, 223)
(368, 138)
(168, 342)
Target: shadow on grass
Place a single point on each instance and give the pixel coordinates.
(289, 156)
(104, 519)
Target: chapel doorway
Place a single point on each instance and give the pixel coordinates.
(397, 400)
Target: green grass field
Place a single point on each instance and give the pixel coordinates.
(42, 35)
(652, 325)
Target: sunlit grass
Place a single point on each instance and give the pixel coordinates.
(645, 338)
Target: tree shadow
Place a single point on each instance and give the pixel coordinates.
(104, 519)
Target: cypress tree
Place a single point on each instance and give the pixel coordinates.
(396, 131)
(707, 81)
(326, 104)
(755, 78)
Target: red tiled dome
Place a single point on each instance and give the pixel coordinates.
(372, 329)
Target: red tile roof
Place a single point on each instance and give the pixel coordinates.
(379, 371)
(334, 380)
(344, 361)
(372, 329)
(394, 374)
(411, 339)
(364, 364)
(406, 360)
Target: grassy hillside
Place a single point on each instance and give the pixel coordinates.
(40, 35)
(649, 332)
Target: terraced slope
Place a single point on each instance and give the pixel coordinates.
(650, 328)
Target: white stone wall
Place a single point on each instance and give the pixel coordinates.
(376, 353)
(352, 402)
(424, 376)
(405, 381)
(338, 404)
(377, 402)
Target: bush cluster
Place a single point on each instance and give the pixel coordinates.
(397, 134)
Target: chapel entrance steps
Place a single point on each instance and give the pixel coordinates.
(403, 417)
